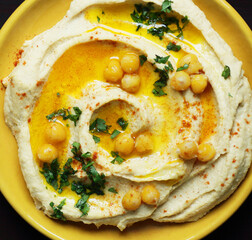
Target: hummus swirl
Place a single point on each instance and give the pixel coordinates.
(69, 59)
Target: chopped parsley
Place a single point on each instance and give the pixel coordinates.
(98, 19)
(50, 172)
(158, 92)
(163, 75)
(166, 6)
(99, 125)
(116, 157)
(158, 21)
(122, 123)
(229, 94)
(114, 134)
(97, 180)
(58, 94)
(226, 72)
(173, 47)
(159, 59)
(113, 190)
(142, 59)
(57, 213)
(67, 171)
(183, 67)
(82, 204)
(65, 114)
(96, 139)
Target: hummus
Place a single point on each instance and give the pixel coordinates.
(141, 131)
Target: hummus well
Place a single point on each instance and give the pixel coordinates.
(121, 154)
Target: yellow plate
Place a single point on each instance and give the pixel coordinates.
(35, 16)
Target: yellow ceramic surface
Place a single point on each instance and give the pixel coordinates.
(35, 16)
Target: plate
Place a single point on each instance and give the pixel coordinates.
(32, 18)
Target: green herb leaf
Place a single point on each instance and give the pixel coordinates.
(96, 139)
(142, 59)
(117, 158)
(82, 204)
(159, 59)
(158, 19)
(114, 134)
(229, 94)
(67, 171)
(123, 123)
(97, 180)
(226, 72)
(50, 172)
(166, 6)
(98, 19)
(157, 91)
(57, 213)
(183, 67)
(173, 47)
(78, 187)
(158, 31)
(86, 155)
(65, 114)
(99, 125)
(113, 190)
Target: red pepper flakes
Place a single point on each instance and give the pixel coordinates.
(194, 117)
(246, 121)
(27, 106)
(207, 182)
(174, 196)
(97, 104)
(18, 56)
(39, 83)
(233, 175)
(233, 161)
(21, 95)
(165, 211)
(95, 155)
(186, 124)
(29, 120)
(247, 150)
(222, 184)
(205, 176)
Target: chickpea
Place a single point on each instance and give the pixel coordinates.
(180, 81)
(47, 153)
(130, 62)
(113, 72)
(144, 143)
(198, 83)
(206, 152)
(192, 60)
(124, 144)
(188, 149)
(132, 200)
(55, 133)
(131, 82)
(150, 195)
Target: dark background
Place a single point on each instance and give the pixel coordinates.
(237, 227)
